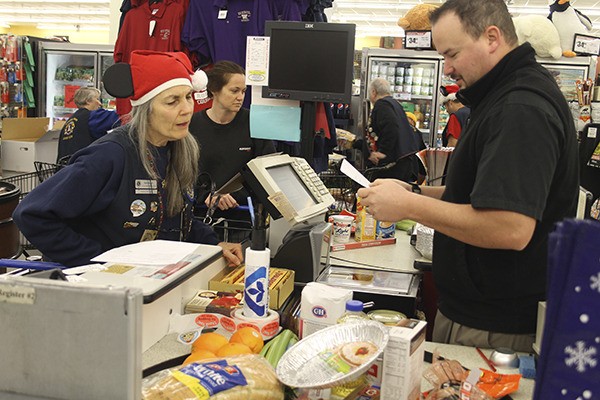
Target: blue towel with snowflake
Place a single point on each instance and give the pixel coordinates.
(569, 365)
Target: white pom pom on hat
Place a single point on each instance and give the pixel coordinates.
(199, 81)
(448, 93)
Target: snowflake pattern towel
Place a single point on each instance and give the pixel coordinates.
(569, 366)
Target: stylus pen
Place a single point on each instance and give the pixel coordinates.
(487, 360)
(250, 208)
(37, 265)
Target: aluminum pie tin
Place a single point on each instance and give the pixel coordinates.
(303, 365)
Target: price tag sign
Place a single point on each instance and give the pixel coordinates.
(588, 45)
(417, 40)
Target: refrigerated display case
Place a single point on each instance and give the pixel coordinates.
(414, 78)
(567, 71)
(65, 67)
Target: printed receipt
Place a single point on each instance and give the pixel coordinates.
(347, 169)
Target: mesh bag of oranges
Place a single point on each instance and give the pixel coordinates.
(246, 340)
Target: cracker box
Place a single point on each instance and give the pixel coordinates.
(403, 361)
(281, 284)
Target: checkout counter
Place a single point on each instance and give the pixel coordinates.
(140, 323)
(169, 348)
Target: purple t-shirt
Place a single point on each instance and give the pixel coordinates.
(217, 29)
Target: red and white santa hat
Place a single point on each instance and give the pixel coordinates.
(149, 73)
(154, 72)
(448, 93)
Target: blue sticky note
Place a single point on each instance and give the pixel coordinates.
(275, 122)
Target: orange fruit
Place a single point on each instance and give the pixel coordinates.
(233, 349)
(210, 341)
(199, 355)
(250, 337)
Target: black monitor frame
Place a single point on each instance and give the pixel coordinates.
(273, 27)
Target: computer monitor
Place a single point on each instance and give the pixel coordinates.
(288, 187)
(310, 61)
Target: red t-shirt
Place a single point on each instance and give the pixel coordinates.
(137, 33)
(454, 127)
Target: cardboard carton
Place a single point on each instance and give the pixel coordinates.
(25, 140)
(403, 361)
(279, 290)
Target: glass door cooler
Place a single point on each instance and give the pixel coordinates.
(414, 78)
(64, 68)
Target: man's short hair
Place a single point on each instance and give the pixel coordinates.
(84, 95)
(381, 87)
(477, 15)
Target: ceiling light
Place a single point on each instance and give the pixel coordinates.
(71, 27)
(4, 25)
(57, 1)
(38, 11)
(372, 6)
(51, 20)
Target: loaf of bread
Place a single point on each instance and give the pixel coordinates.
(262, 383)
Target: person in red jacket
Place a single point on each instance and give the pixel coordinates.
(459, 115)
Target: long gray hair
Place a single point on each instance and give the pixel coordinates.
(182, 169)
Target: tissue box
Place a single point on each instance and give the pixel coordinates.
(281, 284)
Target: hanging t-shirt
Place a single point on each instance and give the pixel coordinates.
(291, 10)
(217, 29)
(155, 26)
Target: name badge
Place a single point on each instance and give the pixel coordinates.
(146, 186)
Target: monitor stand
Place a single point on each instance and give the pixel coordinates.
(305, 250)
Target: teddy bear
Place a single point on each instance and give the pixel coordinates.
(540, 33)
(417, 18)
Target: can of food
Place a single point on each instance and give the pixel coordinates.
(386, 317)
(385, 230)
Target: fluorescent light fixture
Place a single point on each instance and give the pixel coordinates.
(365, 5)
(379, 30)
(58, 20)
(350, 18)
(4, 25)
(38, 11)
(71, 27)
(42, 2)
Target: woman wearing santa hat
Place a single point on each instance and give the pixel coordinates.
(134, 184)
(459, 115)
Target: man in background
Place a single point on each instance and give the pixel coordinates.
(513, 176)
(88, 123)
(391, 140)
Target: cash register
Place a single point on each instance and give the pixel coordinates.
(289, 188)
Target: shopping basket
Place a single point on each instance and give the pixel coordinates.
(27, 182)
(341, 187)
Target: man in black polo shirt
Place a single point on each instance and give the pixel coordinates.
(512, 176)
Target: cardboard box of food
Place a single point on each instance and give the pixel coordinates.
(403, 361)
(281, 284)
(25, 140)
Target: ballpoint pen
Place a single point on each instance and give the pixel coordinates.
(487, 360)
